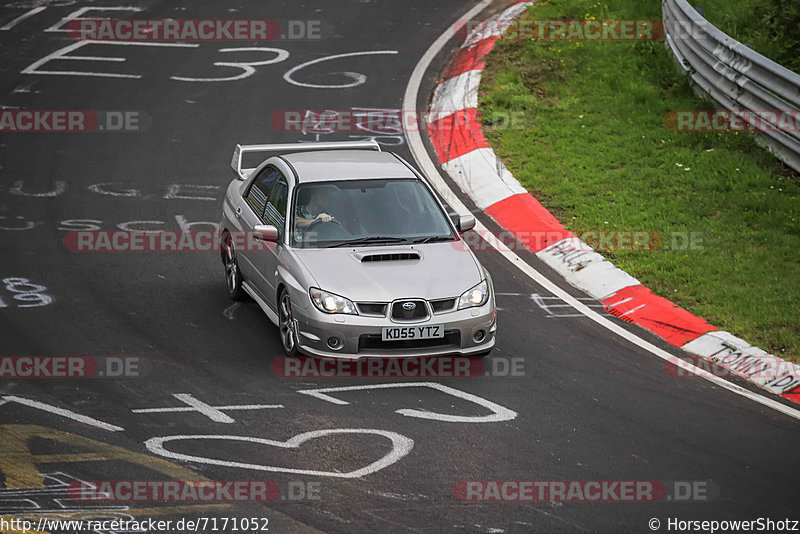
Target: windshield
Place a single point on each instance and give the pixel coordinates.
(367, 212)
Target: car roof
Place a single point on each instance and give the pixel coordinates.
(330, 165)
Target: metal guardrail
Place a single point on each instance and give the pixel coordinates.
(734, 76)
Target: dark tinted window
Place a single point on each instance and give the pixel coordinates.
(276, 205)
(259, 192)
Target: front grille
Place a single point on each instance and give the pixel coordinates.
(418, 313)
(443, 305)
(376, 309)
(373, 342)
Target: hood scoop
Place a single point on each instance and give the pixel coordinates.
(386, 255)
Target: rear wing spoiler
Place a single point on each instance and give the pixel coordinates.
(241, 150)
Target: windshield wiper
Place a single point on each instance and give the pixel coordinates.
(432, 239)
(373, 240)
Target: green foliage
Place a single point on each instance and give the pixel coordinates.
(771, 27)
(595, 150)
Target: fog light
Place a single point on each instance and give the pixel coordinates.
(335, 343)
(479, 336)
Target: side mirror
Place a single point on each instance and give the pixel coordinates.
(266, 232)
(465, 222)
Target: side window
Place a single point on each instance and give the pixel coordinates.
(260, 190)
(276, 206)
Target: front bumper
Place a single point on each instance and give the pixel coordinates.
(360, 335)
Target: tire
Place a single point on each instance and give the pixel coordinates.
(286, 324)
(233, 276)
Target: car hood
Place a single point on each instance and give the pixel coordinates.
(444, 270)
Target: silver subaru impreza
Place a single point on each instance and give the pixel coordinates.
(348, 251)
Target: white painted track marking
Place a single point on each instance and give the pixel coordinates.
(76, 15)
(248, 67)
(175, 191)
(429, 169)
(458, 93)
(22, 17)
(499, 413)
(230, 311)
(481, 174)
(215, 413)
(358, 79)
(61, 412)
(541, 301)
(401, 446)
(60, 187)
(59, 54)
(98, 188)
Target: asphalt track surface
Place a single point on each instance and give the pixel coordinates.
(590, 406)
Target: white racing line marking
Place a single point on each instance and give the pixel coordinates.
(401, 446)
(429, 169)
(60, 412)
(499, 413)
(22, 17)
(542, 302)
(215, 413)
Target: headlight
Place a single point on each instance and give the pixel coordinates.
(330, 303)
(477, 296)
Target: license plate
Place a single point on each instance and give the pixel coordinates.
(404, 333)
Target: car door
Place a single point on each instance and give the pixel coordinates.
(252, 214)
(275, 214)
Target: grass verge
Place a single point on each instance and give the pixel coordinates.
(596, 152)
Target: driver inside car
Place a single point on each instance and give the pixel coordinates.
(310, 209)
